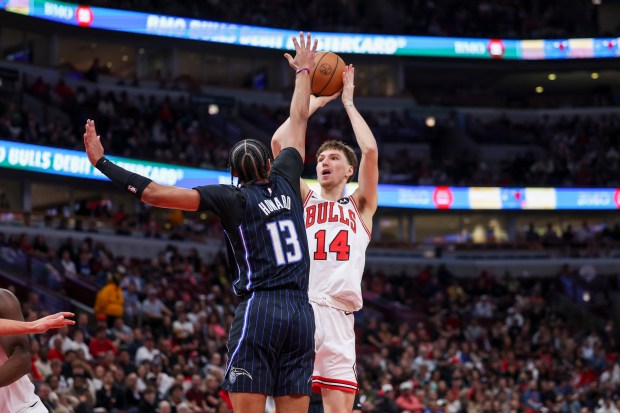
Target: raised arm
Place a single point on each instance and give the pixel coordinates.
(12, 327)
(302, 63)
(16, 347)
(316, 102)
(149, 192)
(368, 178)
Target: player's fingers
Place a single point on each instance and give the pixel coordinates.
(302, 41)
(296, 44)
(288, 57)
(308, 40)
(67, 314)
(316, 43)
(99, 137)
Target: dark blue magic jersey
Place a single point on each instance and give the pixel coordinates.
(264, 224)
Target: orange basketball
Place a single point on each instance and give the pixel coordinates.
(326, 77)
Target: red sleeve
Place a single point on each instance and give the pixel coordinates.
(35, 372)
(224, 396)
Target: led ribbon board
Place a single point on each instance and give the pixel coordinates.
(55, 161)
(353, 43)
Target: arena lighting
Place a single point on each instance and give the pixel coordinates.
(348, 43)
(594, 76)
(430, 122)
(65, 162)
(552, 76)
(213, 109)
(539, 89)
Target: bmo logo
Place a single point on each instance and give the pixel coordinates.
(58, 11)
(496, 48)
(84, 16)
(443, 197)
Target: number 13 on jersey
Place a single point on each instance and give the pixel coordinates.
(288, 252)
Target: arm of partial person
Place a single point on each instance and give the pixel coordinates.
(149, 192)
(12, 327)
(16, 347)
(316, 102)
(302, 63)
(368, 177)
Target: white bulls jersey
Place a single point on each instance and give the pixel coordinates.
(19, 397)
(337, 241)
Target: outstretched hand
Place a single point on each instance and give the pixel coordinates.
(348, 80)
(317, 102)
(92, 142)
(305, 50)
(57, 320)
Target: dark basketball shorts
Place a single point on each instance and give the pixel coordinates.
(271, 344)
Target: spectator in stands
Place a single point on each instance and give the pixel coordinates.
(484, 308)
(149, 401)
(153, 311)
(386, 402)
(110, 299)
(121, 332)
(147, 352)
(80, 346)
(110, 396)
(56, 352)
(100, 345)
(69, 269)
(196, 396)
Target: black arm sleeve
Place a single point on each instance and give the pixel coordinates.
(124, 179)
(226, 201)
(289, 165)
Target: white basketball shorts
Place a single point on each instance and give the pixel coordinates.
(334, 363)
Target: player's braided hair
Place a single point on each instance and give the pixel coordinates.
(249, 159)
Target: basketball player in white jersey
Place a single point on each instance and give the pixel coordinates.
(16, 390)
(338, 230)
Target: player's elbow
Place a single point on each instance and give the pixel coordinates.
(276, 143)
(151, 195)
(371, 150)
(23, 359)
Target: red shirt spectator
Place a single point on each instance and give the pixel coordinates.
(100, 344)
(406, 400)
(56, 351)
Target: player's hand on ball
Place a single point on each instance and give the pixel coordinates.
(305, 50)
(317, 102)
(92, 142)
(348, 80)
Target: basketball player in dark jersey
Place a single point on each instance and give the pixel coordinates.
(271, 343)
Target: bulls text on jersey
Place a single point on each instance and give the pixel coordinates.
(330, 211)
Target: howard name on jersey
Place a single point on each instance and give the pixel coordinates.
(275, 204)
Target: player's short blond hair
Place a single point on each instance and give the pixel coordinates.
(348, 152)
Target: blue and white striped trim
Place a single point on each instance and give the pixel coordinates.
(244, 331)
(247, 258)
